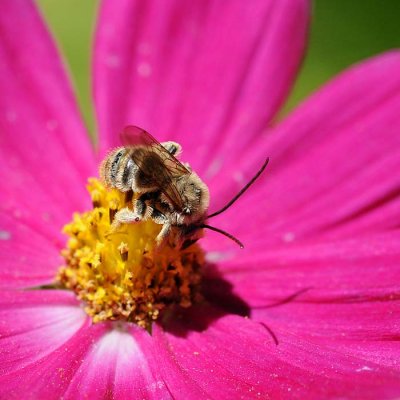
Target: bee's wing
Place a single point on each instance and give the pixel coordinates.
(135, 136)
(161, 167)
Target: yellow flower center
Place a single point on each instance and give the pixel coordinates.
(121, 274)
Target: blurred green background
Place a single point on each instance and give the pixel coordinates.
(342, 32)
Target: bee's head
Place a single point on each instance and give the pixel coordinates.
(195, 196)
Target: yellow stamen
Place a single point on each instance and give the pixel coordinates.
(120, 273)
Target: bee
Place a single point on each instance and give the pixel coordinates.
(166, 191)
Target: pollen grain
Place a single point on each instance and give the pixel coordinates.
(119, 273)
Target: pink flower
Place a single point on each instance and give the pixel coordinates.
(310, 308)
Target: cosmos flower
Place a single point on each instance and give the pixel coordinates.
(309, 309)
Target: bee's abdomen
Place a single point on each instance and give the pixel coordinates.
(117, 169)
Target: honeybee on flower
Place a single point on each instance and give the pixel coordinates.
(321, 265)
(169, 193)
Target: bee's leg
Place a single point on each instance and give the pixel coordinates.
(141, 207)
(160, 218)
(141, 211)
(163, 235)
(124, 216)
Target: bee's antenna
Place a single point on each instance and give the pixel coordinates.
(212, 228)
(252, 180)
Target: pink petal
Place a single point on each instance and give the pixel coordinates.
(46, 152)
(343, 292)
(43, 337)
(329, 266)
(332, 162)
(209, 74)
(27, 257)
(224, 357)
(49, 349)
(117, 367)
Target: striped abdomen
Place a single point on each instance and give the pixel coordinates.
(118, 169)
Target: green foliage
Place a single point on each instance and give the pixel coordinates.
(72, 23)
(342, 33)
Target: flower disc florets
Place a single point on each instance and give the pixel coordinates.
(120, 273)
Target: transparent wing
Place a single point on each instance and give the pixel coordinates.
(134, 136)
(156, 164)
